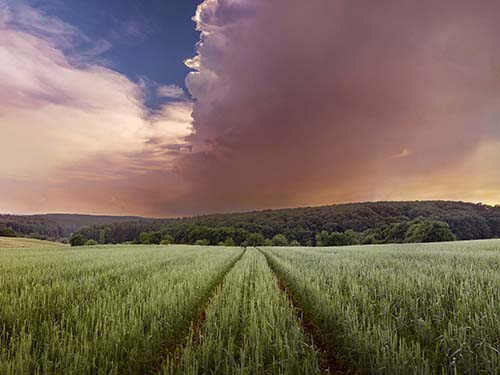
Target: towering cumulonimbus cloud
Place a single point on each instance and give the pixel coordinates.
(294, 103)
(308, 102)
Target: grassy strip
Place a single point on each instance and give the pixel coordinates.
(329, 361)
(250, 328)
(174, 347)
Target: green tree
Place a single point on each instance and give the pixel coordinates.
(102, 236)
(322, 238)
(77, 240)
(279, 240)
(295, 243)
(166, 239)
(7, 232)
(423, 230)
(144, 238)
(150, 238)
(396, 232)
(91, 243)
(371, 236)
(229, 242)
(255, 239)
(351, 237)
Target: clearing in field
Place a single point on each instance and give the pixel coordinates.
(393, 309)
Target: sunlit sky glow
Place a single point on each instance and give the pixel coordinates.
(285, 103)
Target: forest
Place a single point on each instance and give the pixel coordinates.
(371, 222)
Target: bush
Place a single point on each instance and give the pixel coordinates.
(255, 239)
(91, 243)
(294, 243)
(77, 240)
(229, 242)
(7, 232)
(166, 239)
(279, 240)
(202, 243)
(396, 232)
(347, 238)
(371, 236)
(150, 238)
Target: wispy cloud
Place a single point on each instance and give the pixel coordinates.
(58, 115)
(170, 91)
(403, 154)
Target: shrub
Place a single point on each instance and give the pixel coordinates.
(229, 242)
(279, 240)
(91, 243)
(294, 243)
(255, 239)
(167, 239)
(150, 238)
(77, 240)
(7, 232)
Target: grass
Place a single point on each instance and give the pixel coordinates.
(23, 243)
(389, 309)
(101, 311)
(402, 309)
(250, 328)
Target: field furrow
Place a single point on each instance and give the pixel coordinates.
(329, 361)
(250, 328)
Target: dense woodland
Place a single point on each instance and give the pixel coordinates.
(379, 222)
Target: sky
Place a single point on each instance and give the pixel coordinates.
(176, 107)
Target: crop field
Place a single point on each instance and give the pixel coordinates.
(388, 309)
(18, 243)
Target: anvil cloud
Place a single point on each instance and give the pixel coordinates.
(310, 102)
(294, 103)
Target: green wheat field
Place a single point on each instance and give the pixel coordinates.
(386, 309)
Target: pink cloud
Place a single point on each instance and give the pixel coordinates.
(296, 103)
(303, 103)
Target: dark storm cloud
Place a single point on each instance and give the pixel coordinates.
(309, 102)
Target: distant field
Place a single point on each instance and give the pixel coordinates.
(387, 309)
(17, 242)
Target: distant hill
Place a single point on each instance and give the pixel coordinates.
(467, 221)
(55, 226)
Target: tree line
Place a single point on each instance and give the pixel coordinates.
(418, 230)
(365, 223)
(378, 222)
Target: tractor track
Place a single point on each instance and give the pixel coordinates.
(174, 350)
(329, 362)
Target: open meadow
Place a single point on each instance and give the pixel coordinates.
(382, 309)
